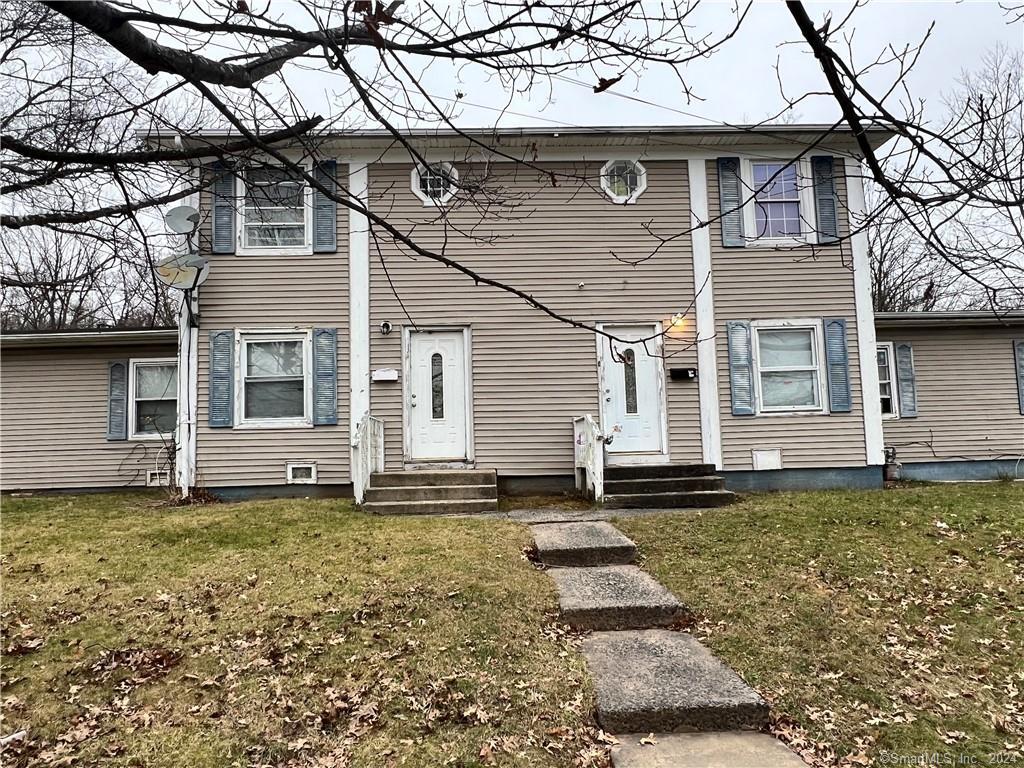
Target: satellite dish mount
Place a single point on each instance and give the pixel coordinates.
(186, 269)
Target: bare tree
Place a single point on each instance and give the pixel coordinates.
(55, 281)
(82, 78)
(964, 254)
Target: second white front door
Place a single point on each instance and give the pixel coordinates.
(631, 390)
(436, 396)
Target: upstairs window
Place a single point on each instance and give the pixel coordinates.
(435, 184)
(153, 399)
(623, 180)
(275, 211)
(776, 200)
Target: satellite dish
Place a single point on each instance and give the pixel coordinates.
(184, 219)
(183, 271)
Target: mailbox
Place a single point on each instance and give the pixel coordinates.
(682, 374)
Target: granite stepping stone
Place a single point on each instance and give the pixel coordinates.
(582, 544)
(614, 597)
(657, 680)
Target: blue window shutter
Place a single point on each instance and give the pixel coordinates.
(837, 365)
(1018, 354)
(730, 201)
(117, 400)
(906, 380)
(825, 199)
(325, 215)
(325, 376)
(223, 222)
(741, 367)
(222, 378)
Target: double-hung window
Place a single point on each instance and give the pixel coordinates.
(788, 362)
(779, 201)
(275, 384)
(275, 215)
(153, 398)
(887, 381)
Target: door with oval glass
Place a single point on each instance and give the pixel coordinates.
(436, 396)
(632, 390)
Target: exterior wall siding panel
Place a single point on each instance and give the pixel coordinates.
(280, 292)
(754, 283)
(531, 373)
(966, 394)
(53, 406)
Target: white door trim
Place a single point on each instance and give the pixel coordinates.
(467, 339)
(647, 457)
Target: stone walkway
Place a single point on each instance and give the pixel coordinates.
(649, 678)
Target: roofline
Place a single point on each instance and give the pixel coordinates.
(877, 132)
(99, 337)
(933, 319)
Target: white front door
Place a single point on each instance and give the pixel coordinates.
(436, 396)
(632, 390)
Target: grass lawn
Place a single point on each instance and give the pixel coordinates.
(880, 624)
(280, 633)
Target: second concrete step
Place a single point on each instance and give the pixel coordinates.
(614, 597)
(582, 544)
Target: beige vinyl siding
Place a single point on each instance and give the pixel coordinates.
(966, 395)
(53, 411)
(279, 292)
(532, 374)
(758, 283)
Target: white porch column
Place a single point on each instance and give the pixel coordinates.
(358, 299)
(866, 345)
(707, 367)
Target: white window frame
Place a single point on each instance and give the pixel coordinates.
(242, 249)
(890, 348)
(132, 365)
(808, 227)
(244, 337)
(428, 201)
(641, 181)
(818, 349)
(290, 468)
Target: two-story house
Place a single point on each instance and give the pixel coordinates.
(688, 304)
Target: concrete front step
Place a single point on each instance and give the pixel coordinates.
(430, 493)
(646, 471)
(613, 597)
(658, 680)
(433, 507)
(665, 485)
(690, 499)
(582, 544)
(726, 749)
(423, 477)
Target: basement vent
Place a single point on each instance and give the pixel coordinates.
(301, 473)
(158, 478)
(766, 458)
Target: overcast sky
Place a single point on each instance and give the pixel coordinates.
(738, 83)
